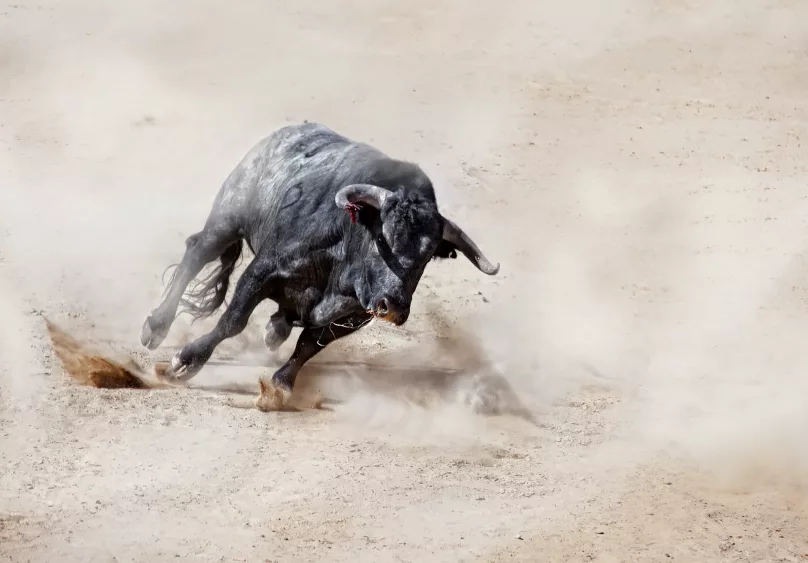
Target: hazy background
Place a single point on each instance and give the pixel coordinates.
(637, 167)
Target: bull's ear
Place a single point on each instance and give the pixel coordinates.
(455, 236)
(444, 250)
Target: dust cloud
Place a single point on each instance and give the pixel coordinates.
(17, 357)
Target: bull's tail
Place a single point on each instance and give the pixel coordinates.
(207, 294)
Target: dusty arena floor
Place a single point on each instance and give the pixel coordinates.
(638, 167)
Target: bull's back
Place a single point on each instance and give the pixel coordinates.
(286, 184)
(271, 164)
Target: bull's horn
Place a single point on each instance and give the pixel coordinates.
(361, 193)
(456, 236)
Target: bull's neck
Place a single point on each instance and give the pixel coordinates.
(358, 249)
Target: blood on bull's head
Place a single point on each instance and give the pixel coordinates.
(407, 231)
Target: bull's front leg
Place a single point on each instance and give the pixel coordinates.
(278, 329)
(252, 288)
(277, 389)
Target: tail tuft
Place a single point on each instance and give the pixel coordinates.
(206, 295)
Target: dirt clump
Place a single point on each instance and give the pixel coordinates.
(88, 367)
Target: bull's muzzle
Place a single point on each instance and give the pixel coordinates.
(388, 309)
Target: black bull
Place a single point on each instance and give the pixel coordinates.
(341, 233)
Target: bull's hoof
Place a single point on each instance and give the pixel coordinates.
(176, 371)
(165, 374)
(272, 397)
(153, 333)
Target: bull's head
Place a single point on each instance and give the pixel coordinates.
(408, 231)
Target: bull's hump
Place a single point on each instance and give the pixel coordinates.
(313, 153)
(306, 136)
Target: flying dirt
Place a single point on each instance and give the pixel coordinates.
(89, 368)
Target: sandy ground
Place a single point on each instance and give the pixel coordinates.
(638, 169)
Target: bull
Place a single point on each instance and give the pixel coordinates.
(340, 233)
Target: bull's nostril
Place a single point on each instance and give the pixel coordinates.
(383, 306)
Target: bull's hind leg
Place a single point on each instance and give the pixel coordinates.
(218, 239)
(252, 288)
(275, 391)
